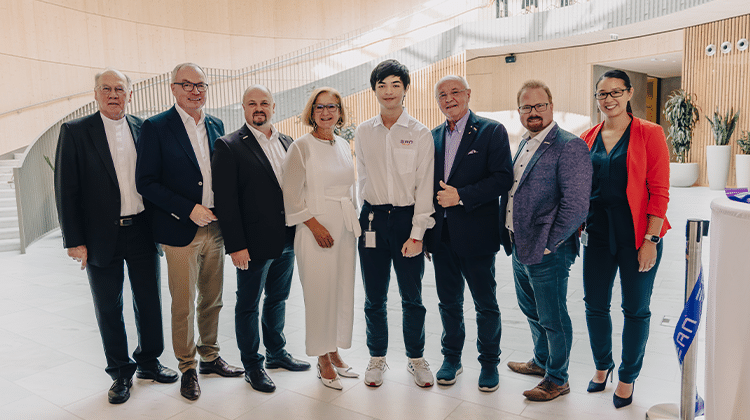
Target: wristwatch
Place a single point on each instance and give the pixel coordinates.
(653, 238)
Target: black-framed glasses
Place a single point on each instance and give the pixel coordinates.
(443, 97)
(526, 109)
(616, 93)
(329, 107)
(188, 87)
(108, 89)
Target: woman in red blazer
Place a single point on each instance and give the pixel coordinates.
(627, 218)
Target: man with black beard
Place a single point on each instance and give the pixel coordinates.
(246, 167)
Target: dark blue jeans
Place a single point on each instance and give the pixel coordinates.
(479, 272)
(393, 227)
(599, 270)
(135, 247)
(542, 295)
(275, 278)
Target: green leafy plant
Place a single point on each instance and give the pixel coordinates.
(744, 142)
(722, 126)
(683, 114)
(346, 132)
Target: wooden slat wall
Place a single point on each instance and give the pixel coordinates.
(420, 100)
(720, 80)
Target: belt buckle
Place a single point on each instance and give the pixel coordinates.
(126, 221)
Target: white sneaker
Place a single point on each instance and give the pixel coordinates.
(421, 371)
(374, 372)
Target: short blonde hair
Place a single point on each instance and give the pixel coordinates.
(533, 84)
(307, 113)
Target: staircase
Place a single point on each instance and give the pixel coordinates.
(10, 239)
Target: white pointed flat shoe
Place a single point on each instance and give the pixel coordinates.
(334, 383)
(346, 371)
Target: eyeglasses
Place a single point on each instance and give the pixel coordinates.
(526, 109)
(108, 89)
(188, 87)
(329, 107)
(616, 93)
(443, 97)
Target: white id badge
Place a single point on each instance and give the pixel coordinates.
(584, 238)
(369, 239)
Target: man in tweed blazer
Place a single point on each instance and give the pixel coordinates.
(549, 200)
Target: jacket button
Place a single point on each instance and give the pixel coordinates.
(200, 183)
(282, 211)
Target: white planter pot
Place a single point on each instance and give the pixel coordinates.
(717, 166)
(683, 174)
(742, 167)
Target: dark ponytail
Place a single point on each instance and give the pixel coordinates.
(617, 74)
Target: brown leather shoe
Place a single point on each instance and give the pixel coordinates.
(220, 367)
(527, 368)
(546, 391)
(189, 387)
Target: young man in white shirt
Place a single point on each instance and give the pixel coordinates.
(395, 168)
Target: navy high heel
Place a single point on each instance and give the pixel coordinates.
(599, 387)
(620, 402)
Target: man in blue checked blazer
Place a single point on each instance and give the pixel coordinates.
(547, 204)
(472, 170)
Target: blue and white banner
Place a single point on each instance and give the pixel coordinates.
(687, 329)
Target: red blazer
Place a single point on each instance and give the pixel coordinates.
(648, 174)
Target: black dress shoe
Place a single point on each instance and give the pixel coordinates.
(119, 392)
(189, 387)
(260, 381)
(158, 373)
(287, 362)
(220, 367)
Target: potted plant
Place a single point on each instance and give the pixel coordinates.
(742, 162)
(682, 113)
(719, 155)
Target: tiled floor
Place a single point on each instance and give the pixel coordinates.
(52, 364)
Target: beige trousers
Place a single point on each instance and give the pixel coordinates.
(198, 266)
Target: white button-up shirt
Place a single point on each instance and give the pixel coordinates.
(122, 149)
(519, 166)
(396, 167)
(199, 139)
(272, 147)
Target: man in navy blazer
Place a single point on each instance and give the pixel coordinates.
(472, 170)
(104, 226)
(250, 206)
(547, 204)
(174, 174)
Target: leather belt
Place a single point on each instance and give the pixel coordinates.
(128, 220)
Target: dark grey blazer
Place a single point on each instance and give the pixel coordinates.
(552, 199)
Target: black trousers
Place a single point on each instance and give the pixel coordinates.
(135, 247)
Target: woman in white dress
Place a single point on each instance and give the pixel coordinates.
(319, 188)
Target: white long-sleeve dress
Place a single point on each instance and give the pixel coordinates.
(318, 181)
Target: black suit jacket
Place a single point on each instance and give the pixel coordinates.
(481, 173)
(168, 176)
(248, 197)
(86, 189)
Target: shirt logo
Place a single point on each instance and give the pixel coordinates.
(407, 142)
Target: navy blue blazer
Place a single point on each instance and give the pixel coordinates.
(168, 176)
(87, 192)
(552, 198)
(248, 197)
(481, 173)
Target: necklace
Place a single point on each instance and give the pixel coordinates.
(331, 141)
